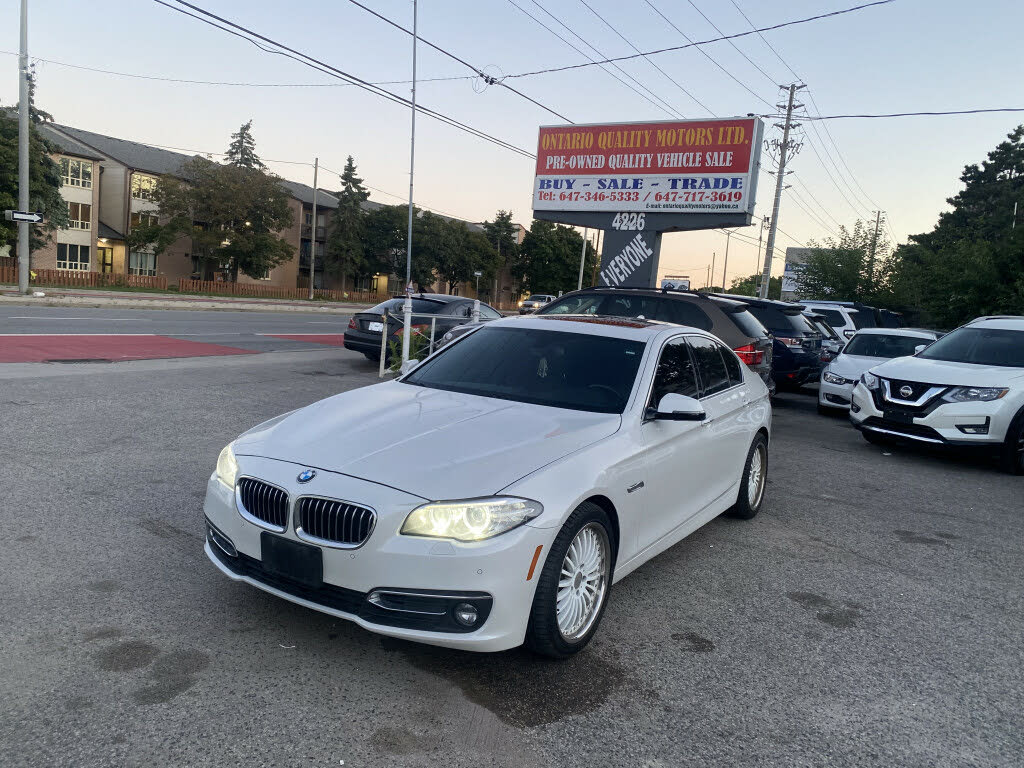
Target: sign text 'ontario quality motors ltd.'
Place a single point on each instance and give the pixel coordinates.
(699, 166)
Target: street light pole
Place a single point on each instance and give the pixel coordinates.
(583, 258)
(23, 129)
(407, 307)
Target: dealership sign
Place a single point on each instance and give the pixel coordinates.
(686, 166)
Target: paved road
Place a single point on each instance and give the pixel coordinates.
(244, 330)
(871, 615)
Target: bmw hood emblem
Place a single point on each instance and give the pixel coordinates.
(906, 391)
(306, 475)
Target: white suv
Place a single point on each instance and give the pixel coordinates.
(966, 389)
(846, 317)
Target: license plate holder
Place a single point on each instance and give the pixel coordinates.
(293, 560)
(375, 326)
(899, 417)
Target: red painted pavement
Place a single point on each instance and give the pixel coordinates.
(330, 339)
(39, 348)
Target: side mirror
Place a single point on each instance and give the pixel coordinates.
(675, 407)
(408, 365)
(920, 348)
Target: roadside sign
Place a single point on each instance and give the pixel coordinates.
(31, 218)
(478, 273)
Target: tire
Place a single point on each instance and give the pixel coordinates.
(751, 496)
(1011, 458)
(557, 637)
(371, 357)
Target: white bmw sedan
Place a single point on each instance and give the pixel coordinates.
(493, 495)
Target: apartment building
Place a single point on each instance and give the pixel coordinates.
(122, 176)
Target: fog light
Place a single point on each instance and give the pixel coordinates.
(465, 614)
(975, 429)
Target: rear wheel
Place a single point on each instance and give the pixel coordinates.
(1012, 458)
(753, 481)
(574, 585)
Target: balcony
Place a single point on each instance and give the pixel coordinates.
(306, 229)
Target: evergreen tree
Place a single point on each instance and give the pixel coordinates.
(345, 253)
(242, 151)
(502, 235)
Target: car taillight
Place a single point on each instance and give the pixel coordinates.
(416, 328)
(750, 354)
(353, 324)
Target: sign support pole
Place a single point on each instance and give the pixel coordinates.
(24, 245)
(583, 258)
(312, 233)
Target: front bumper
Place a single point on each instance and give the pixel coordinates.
(937, 425)
(835, 395)
(491, 575)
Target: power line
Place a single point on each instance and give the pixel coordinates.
(479, 72)
(731, 43)
(704, 42)
(626, 40)
(707, 55)
(654, 98)
(328, 69)
(914, 114)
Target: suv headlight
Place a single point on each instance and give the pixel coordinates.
(831, 378)
(227, 467)
(974, 394)
(470, 520)
(869, 380)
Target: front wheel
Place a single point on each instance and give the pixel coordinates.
(1012, 459)
(574, 585)
(753, 481)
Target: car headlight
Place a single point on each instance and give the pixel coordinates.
(831, 378)
(227, 467)
(470, 520)
(974, 394)
(869, 380)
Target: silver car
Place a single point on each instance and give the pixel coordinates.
(535, 302)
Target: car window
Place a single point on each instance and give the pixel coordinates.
(714, 377)
(576, 304)
(489, 312)
(732, 365)
(462, 309)
(682, 312)
(834, 317)
(882, 345)
(864, 318)
(780, 323)
(579, 371)
(749, 324)
(419, 306)
(981, 346)
(537, 297)
(675, 374)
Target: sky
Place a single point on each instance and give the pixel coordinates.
(908, 55)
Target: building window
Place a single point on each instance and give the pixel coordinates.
(265, 275)
(307, 218)
(79, 216)
(73, 257)
(319, 250)
(141, 263)
(76, 173)
(143, 186)
(144, 220)
(321, 220)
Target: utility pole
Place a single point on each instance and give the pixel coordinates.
(583, 258)
(312, 231)
(725, 266)
(711, 274)
(407, 307)
(874, 247)
(597, 258)
(23, 128)
(770, 248)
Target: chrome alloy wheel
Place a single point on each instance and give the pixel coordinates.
(582, 582)
(756, 475)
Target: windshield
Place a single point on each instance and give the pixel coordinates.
(824, 329)
(579, 371)
(864, 318)
(675, 310)
(781, 323)
(981, 346)
(833, 316)
(537, 297)
(883, 345)
(419, 307)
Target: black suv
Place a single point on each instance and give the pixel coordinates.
(439, 310)
(727, 319)
(796, 357)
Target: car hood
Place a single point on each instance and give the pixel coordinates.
(943, 372)
(852, 366)
(431, 443)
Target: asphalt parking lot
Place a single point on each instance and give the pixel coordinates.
(871, 615)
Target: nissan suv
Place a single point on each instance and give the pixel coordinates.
(729, 320)
(966, 389)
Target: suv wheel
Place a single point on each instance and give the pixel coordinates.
(1012, 458)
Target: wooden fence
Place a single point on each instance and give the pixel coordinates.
(76, 279)
(255, 290)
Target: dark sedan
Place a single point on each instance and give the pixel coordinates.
(439, 310)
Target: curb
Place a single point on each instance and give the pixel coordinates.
(60, 300)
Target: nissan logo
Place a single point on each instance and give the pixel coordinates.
(906, 391)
